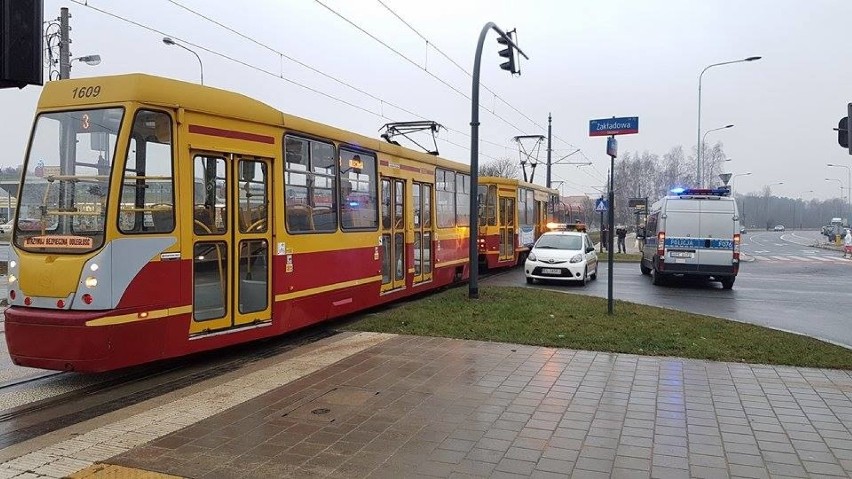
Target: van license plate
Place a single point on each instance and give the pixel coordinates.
(551, 271)
(681, 254)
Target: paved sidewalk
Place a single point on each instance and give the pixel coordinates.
(402, 406)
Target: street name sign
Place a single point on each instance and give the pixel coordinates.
(614, 126)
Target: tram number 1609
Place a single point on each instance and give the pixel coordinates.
(86, 92)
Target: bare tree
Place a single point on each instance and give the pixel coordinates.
(503, 167)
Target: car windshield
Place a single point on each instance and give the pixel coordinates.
(62, 203)
(569, 242)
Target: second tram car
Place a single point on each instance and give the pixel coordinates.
(513, 214)
(174, 218)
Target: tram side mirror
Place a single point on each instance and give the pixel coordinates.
(247, 169)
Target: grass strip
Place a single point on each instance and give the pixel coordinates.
(547, 318)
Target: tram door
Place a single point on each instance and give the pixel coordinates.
(393, 234)
(507, 228)
(231, 237)
(421, 197)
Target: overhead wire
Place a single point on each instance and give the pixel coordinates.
(280, 76)
(409, 60)
(432, 44)
(316, 70)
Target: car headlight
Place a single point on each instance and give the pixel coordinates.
(531, 256)
(577, 258)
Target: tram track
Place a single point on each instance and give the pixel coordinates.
(136, 385)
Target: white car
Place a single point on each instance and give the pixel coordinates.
(7, 227)
(562, 256)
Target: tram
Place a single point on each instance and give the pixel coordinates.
(513, 214)
(174, 218)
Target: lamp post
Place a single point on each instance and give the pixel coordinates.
(700, 77)
(839, 182)
(848, 181)
(704, 140)
(795, 206)
(170, 41)
(735, 177)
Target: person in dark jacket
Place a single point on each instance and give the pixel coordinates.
(620, 234)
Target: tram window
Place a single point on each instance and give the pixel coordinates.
(418, 209)
(210, 273)
(147, 187)
(427, 252)
(462, 200)
(399, 203)
(254, 271)
(309, 177)
(253, 197)
(427, 206)
(386, 204)
(445, 186)
(210, 213)
(358, 185)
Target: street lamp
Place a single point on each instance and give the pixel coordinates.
(848, 180)
(735, 177)
(169, 41)
(704, 140)
(90, 60)
(698, 156)
(839, 182)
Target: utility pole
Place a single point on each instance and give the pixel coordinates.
(64, 45)
(549, 149)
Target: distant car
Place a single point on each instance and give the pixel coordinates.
(779, 227)
(743, 230)
(562, 256)
(6, 228)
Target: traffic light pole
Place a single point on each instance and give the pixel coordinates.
(473, 250)
(611, 235)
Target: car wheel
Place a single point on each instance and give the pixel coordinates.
(530, 280)
(728, 282)
(585, 278)
(644, 269)
(657, 278)
(594, 275)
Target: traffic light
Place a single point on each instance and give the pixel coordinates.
(509, 53)
(843, 132)
(21, 43)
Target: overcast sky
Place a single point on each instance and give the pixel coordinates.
(587, 60)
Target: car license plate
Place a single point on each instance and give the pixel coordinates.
(551, 271)
(681, 254)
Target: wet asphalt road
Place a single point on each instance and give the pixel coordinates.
(787, 285)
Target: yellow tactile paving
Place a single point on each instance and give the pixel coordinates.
(110, 471)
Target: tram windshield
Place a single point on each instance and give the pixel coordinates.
(63, 198)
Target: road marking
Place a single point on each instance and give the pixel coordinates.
(762, 258)
(782, 258)
(800, 258)
(822, 258)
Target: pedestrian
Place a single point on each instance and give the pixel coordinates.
(604, 237)
(847, 244)
(621, 233)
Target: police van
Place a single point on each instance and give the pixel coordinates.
(692, 233)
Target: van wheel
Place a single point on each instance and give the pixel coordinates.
(644, 269)
(728, 282)
(657, 278)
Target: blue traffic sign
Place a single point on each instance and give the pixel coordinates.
(614, 126)
(600, 205)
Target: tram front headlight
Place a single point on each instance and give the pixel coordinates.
(13, 264)
(12, 278)
(91, 282)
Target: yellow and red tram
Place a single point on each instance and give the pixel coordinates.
(513, 214)
(174, 218)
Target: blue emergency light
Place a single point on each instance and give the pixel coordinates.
(721, 191)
